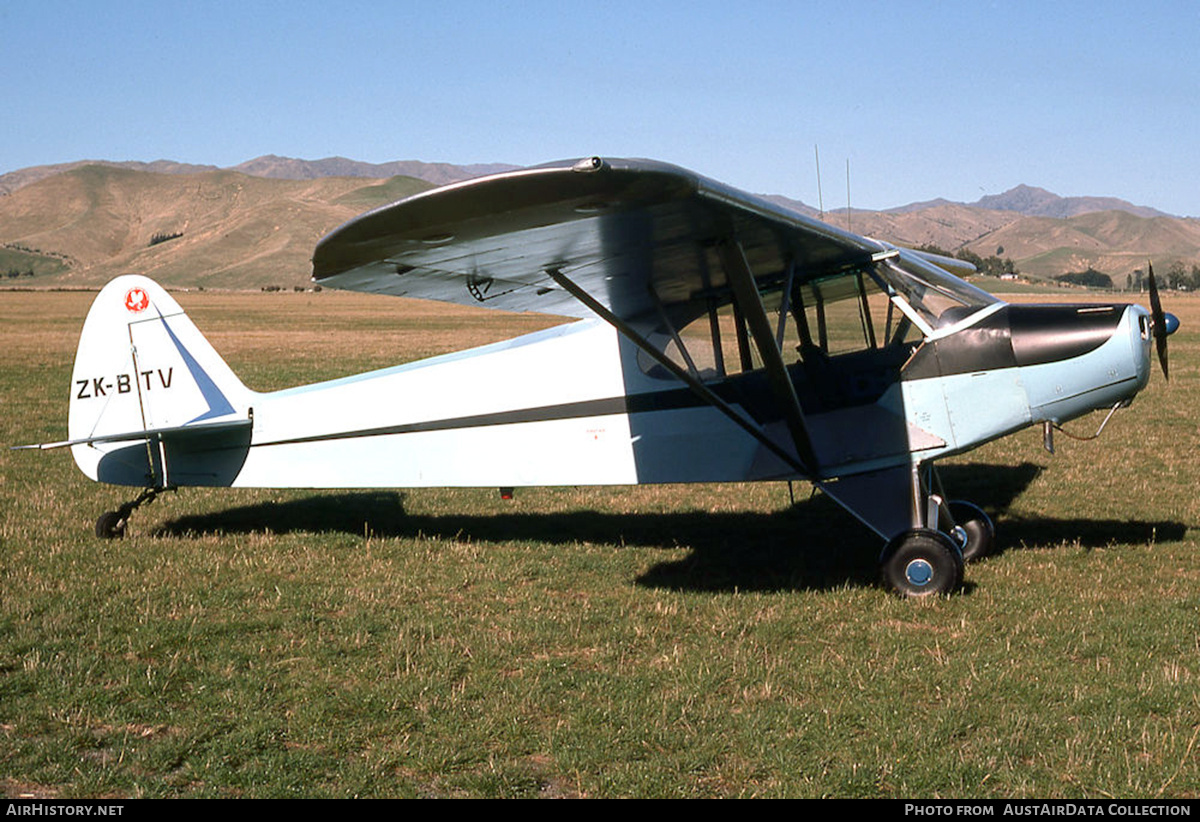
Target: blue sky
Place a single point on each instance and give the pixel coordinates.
(924, 99)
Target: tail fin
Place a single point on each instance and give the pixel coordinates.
(144, 370)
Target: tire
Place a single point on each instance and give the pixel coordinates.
(922, 563)
(110, 525)
(978, 528)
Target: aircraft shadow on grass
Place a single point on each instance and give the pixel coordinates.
(812, 545)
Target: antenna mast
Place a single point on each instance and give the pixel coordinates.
(820, 198)
(848, 228)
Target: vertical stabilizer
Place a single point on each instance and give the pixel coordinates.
(142, 366)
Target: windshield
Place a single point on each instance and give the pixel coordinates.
(940, 298)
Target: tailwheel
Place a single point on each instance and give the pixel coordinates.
(111, 525)
(973, 530)
(922, 563)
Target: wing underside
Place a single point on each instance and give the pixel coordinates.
(630, 233)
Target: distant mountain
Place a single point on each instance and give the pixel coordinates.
(794, 205)
(1023, 199)
(1027, 200)
(921, 206)
(82, 224)
(1037, 202)
(14, 180)
(287, 168)
(1044, 234)
(273, 167)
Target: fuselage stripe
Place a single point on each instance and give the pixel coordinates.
(638, 403)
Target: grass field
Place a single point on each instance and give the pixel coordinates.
(698, 641)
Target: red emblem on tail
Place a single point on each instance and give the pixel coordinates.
(136, 300)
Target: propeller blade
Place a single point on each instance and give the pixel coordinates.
(1159, 327)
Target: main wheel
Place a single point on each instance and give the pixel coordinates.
(922, 563)
(979, 535)
(110, 525)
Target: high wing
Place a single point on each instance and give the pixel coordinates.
(648, 247)
(628, 233)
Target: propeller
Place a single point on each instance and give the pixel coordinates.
(1162, 324)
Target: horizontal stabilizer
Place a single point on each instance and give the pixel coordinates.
(155, 434)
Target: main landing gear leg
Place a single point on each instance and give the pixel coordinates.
(111, 524)
(928, 558)
(927, 537)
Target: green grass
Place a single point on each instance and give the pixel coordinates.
(22, 262)
(675, 641)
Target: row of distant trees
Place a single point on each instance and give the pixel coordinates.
(1177, 276)
(993, 266)
(39, 252)
(1090, 278)
(163, 237)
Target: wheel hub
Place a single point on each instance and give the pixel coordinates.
(919, 572)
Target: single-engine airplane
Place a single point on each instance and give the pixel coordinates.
(720, 338)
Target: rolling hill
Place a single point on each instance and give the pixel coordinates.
(80, 224)
(221, 229)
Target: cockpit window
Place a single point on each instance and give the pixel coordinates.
(882, 306)
(849, 312)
